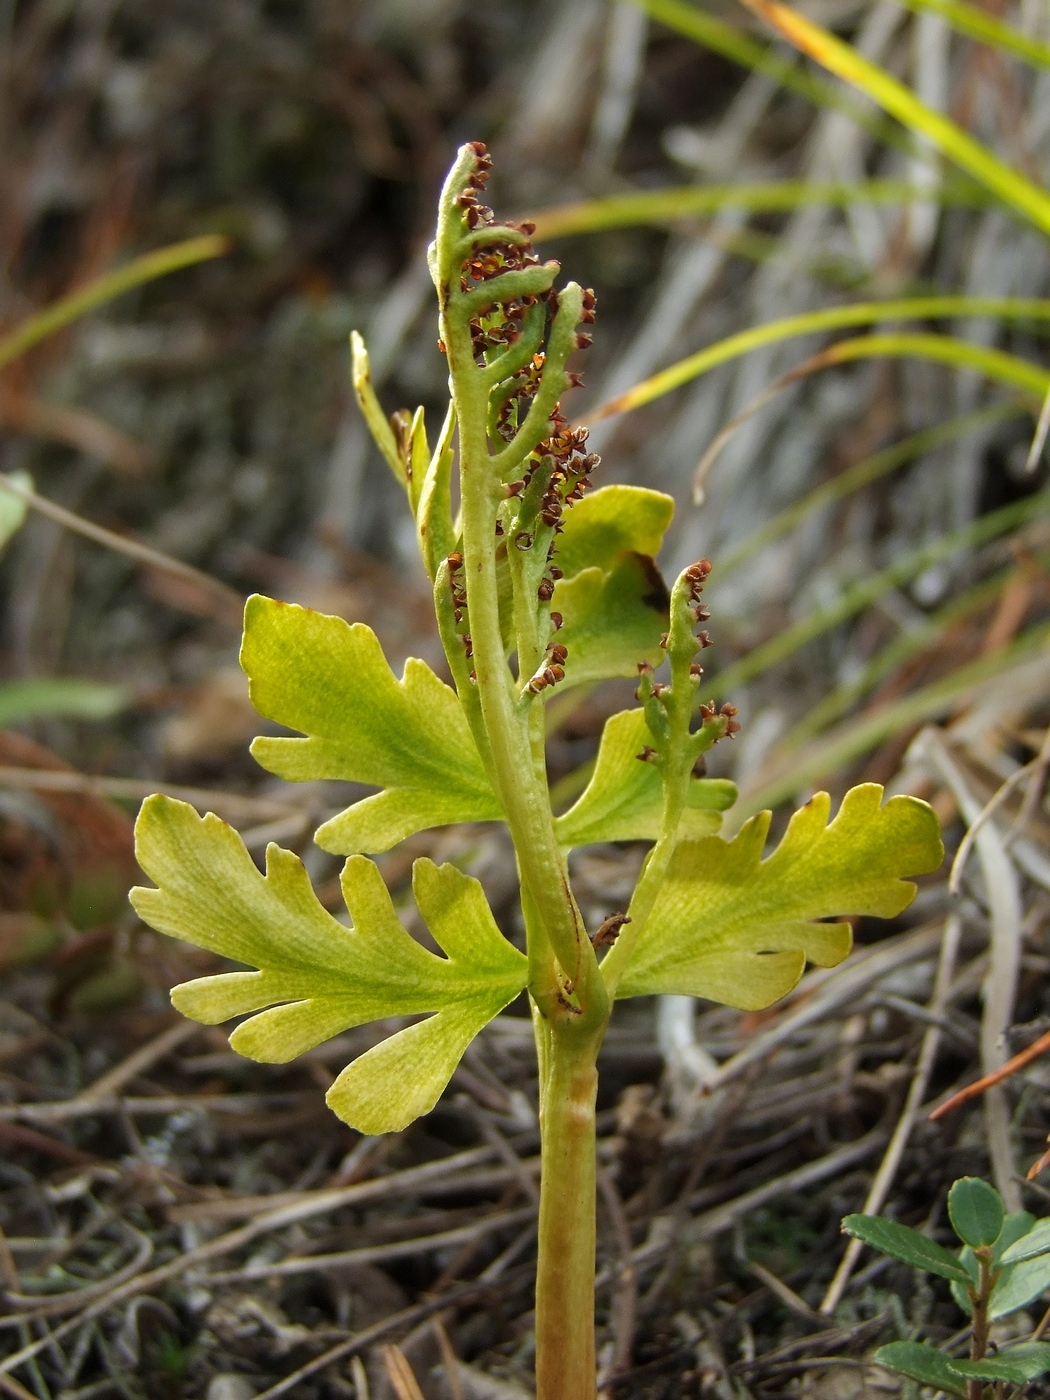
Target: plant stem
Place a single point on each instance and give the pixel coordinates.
(979, 1331)
(521, 788)
(565, 1357)
(570, 1003)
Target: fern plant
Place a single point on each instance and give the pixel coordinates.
(540, 584)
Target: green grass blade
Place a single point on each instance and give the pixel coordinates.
(808, 323)
(13, 508)
(1013, 188)
(772, 196)
(835, 750)
(980, 25)
(890, 657)
(862, 594)
(862, 474)
(60, 697)
(133, 274)
(715, 34)
(942, 349)
(994, 364)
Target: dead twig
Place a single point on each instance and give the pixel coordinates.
(401, 1375)
(32, 1309)
(1033, 770)
(323, 1201)
(110, 1083)
(163, 1104)
(404, 1319)
(373, 1254)
(980, 1086)
(625, 1294)
(787, 1295)
(448, 1358)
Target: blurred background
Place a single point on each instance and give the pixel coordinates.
(878, 523)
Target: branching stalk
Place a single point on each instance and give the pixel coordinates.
(570, 1002)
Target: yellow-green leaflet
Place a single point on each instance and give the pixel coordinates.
(624, 799)
(613, 598)
(610, 520)
(613, 619)
(737, 929)
(331, 681)
(319, 977)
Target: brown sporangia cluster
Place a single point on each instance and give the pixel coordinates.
(552, 670)
(520, 389)
(457, 587)
(561, 459)
(698, 574)
(567, 467)
(504, 327)
(608, 931)
(571, 467)
(459, 599)
(710, 710)
(473, 212)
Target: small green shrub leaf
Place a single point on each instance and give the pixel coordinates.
(1017, 1365)
(903, 1243)
(962, 1297)
(614, 618)
(976, 1211)
(921, 1363)
(960, 1292)
(1019, 1284)
(732, 927)
(331, 681)
(318, 977)
(609, 521)
(624, 799)
(1015, 1227)
(1034, 1242)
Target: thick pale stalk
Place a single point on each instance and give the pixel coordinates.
(521, 788)
(565, 1357)
(571, 1005)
